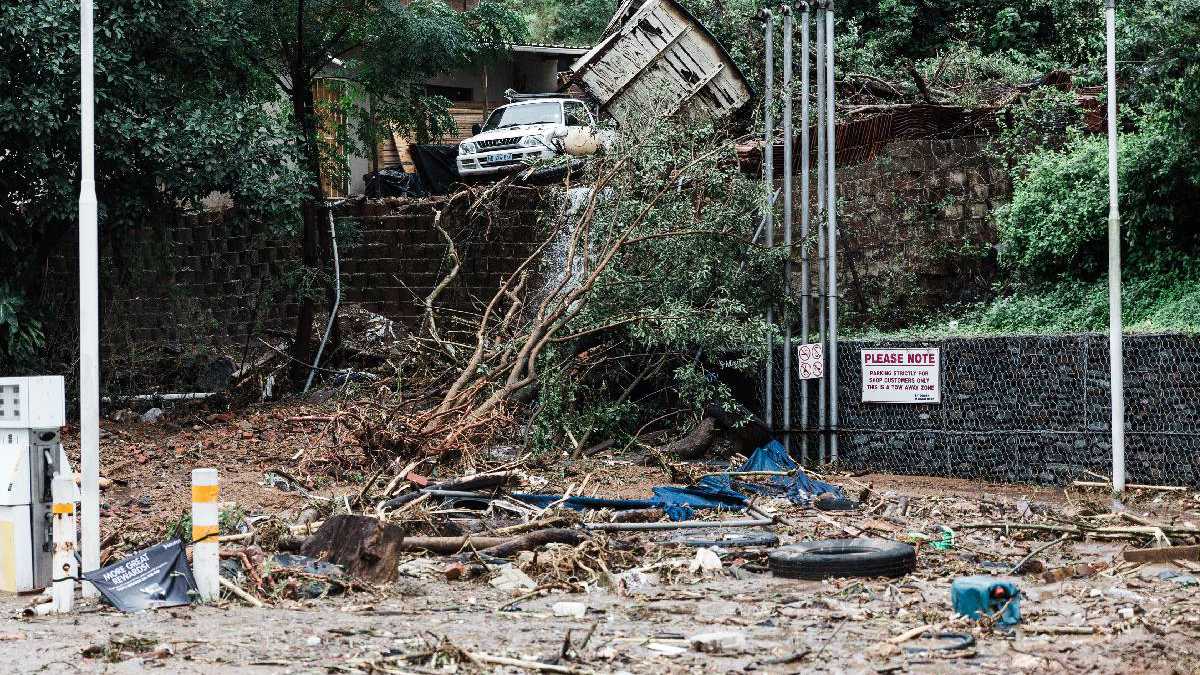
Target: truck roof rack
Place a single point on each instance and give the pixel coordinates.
(512, 96)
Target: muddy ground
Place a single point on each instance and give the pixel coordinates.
(1140, 618)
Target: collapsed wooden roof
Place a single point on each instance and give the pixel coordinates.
(658, 57)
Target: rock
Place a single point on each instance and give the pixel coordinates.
(454, 571)
(1185, 580)
(635, 579)
(665, 649)
(152, 415)
(572, 609)
(420, 568)
(722, 642)
(1126, 613)
(511, 579)
(706, 560)
(162, 651)
(1024, 662)
(215, 375)
(312, 641)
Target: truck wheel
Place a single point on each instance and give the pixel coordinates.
(843, 558)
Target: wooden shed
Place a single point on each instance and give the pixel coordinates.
(658, 57)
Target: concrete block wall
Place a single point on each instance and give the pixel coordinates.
(400, 256)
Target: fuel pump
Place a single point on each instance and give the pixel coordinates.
(32, 412)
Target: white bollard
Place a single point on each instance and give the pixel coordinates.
(63, 531)
(206, 552)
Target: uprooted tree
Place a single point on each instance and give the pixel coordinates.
(648, 284)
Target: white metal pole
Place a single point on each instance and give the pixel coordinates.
(89, 312)
(831, 209)
(787, 224)
(769, 182)
(821, 317)
(805, 282)
(206, 528)
(1115, 337)
(63, 536)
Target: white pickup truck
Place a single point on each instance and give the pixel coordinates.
(530, 130)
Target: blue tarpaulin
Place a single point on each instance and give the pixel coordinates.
(711, 492)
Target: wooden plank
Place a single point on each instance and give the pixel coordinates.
(704, 82)
(657, 55)
(1166, 554)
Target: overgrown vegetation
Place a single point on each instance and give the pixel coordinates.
(180, 113)
(1054, 233)
(646, 283)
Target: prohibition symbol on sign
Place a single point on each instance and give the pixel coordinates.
(810, 361)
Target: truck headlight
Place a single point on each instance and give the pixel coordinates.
(467, 148)
(530, 141)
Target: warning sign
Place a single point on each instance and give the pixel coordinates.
(902, 375)
(810, 361)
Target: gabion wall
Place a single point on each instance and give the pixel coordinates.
(1028, 409)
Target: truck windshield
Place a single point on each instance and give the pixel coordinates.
(526, 113)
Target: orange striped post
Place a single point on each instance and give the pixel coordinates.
(63, 531)
(206, 551)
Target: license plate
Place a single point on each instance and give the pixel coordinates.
(501, 157)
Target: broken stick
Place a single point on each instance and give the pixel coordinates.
(1166, 554)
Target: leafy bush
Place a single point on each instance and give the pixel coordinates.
(20, 335)
(1166, 299)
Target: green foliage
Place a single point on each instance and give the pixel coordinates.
(574, 23)
(20, 335)
(228, 521)
(684, 297)
(179, 115)
(1153, 300)
(1056, 224)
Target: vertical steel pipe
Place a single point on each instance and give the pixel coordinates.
(805, 282)
(1115, 328)
(89, 308)
(768, 156)
(831, 210)
(785, 315)
(821, 383)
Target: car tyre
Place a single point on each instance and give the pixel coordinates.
(843, 558)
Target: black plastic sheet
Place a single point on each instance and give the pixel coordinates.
(437, 165)
(393, 183)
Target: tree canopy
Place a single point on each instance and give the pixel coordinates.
(179, 115)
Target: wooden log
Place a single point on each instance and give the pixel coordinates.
(1130, 486)
(696, 444)
(1166, 554)
(364, 547)
(558, 535)
(450, 545)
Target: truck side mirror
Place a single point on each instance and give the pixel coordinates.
(476, 129)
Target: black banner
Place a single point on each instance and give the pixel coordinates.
(158, 576)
